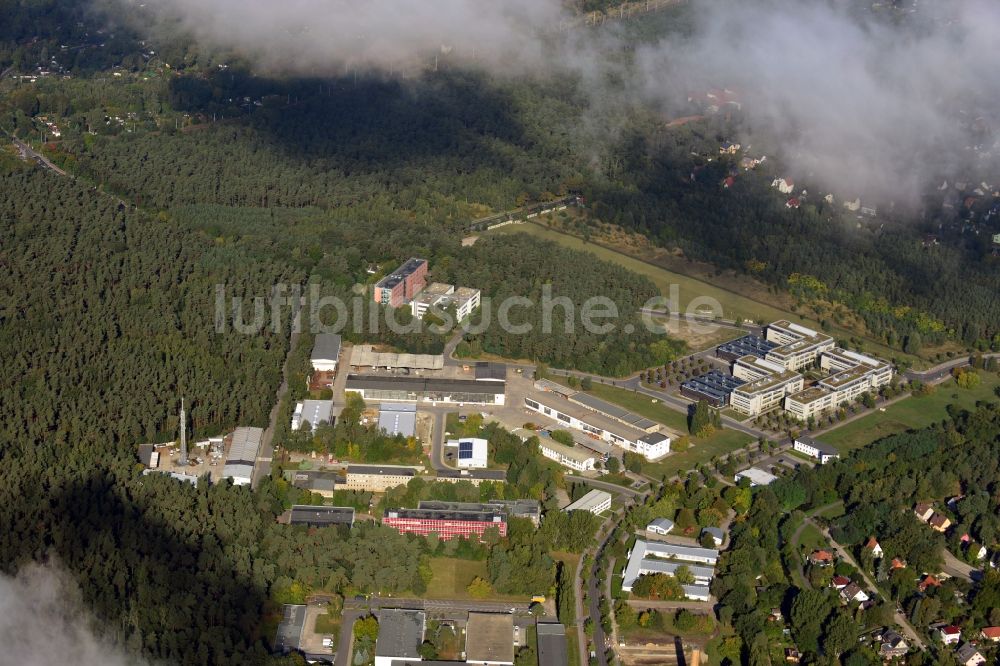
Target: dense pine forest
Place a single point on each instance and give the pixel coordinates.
(186, 178)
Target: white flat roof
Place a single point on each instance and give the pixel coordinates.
(758, 476)
(590, 501)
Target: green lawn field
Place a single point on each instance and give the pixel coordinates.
(452, 576)
(910, 413)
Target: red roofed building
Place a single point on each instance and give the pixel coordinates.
(728, 182)
(950, 635)
(928, 582)
(784, 185)
(823, 558)
(840, 582)
(874, 547)
(991, 634)
(898, 563)
(792, 203)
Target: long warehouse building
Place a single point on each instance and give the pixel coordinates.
(652, 445)
(427, 389)
(242, 455)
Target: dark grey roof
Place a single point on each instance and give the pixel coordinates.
(400, 633)
(321, 516)
(523, 508)
(614, 411)
(424, 384)
(552, 644)
(491, 371)
(654, 438)
(714, 384)
(825, 449)
(747, 345)
(146, 454)
(290, 630)
(387, 470)
(965, 652)
(313, 480)
(326, 347)
(398, 275)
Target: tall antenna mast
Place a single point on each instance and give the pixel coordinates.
(184, 445)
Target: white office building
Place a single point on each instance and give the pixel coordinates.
(575, 458)
(443, 296)
(651, 445)
(595, 501)
(651, 557)
(756, 476)
(814, 448)
(471, 452)
(798, 346)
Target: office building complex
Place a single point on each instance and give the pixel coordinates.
(402, 284)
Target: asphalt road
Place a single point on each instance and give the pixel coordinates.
(262, 467)
(38, 158)
(604, 485)
(900, 619)
(942, 370)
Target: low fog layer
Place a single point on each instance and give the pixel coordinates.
(861, 103)
(329, 36)
(42, 622)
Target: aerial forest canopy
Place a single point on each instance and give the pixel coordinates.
(184, 178)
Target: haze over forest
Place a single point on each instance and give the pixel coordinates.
(865, 105)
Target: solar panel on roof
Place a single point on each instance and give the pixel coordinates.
(464, 450)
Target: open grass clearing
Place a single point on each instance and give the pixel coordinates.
(451, 578)
(910, 413)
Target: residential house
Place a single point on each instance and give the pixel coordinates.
(939, 522)
(928, 582)
(923, 511)
(815, 449)
(840, 582)
(718, 536)
(784, 185)
(991, 634)
(728, 182)
(793, 203)
(821, 558)
(874, 548)
(660, 526)
(729, 148)
(950, 634)
(897, 564)
(968, 655)
(853, 206)
(792, 656)
(893, 645)
(853, 594)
